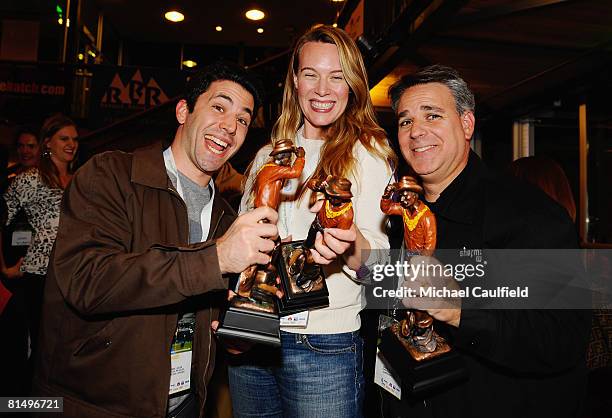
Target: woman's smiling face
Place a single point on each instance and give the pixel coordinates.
(321, 87)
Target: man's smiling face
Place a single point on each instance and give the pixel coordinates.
(27, 150)
(434, 138)
(215, 130)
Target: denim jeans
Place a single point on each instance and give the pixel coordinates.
(314, 376)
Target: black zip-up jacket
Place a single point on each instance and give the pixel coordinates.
(521, 363)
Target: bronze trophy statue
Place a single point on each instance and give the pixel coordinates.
(253, 312)
(411, 344)
(302, 280)
(271, 176)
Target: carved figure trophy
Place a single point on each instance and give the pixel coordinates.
(302, 280)
(253, 312)
(411, 344)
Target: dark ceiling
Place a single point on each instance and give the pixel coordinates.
(507, 50)
(142, 20)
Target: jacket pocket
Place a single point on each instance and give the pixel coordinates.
(99, 341)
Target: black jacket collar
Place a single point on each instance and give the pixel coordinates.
(457, 202)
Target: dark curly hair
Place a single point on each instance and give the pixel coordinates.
(222, 70)
(26, 130)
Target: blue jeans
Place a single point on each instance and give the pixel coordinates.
(312, 376)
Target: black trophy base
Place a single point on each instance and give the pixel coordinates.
(258, 327)
(291, 307)
(421, 377)
(303, 284)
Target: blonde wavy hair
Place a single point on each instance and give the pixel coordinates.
(357, 122)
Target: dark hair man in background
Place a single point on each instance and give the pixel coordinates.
(28, 149)
(144, 242)
(521, 363)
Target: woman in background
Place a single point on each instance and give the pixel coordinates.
(38, 191)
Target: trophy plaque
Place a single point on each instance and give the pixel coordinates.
(253, 314)
(420, 372)
(302, 281)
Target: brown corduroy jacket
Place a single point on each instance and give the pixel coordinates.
(121, 272)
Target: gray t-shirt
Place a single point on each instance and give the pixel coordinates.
(195, 197)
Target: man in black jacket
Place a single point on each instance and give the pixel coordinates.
(521, 363)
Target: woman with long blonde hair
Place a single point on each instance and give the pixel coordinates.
(326, 110)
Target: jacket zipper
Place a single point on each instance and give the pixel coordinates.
(210, 336)
(217, 224)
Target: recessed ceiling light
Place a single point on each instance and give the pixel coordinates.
(218, 28)
(189, 63)
(259, 30)
(255, 14)
(335, 25)
(174, 16)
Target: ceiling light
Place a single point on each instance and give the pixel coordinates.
(189, 63)
(255, 14)
(335, 25)
(218, 28)
(81, 56)
(174, 16)
(259, 30)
